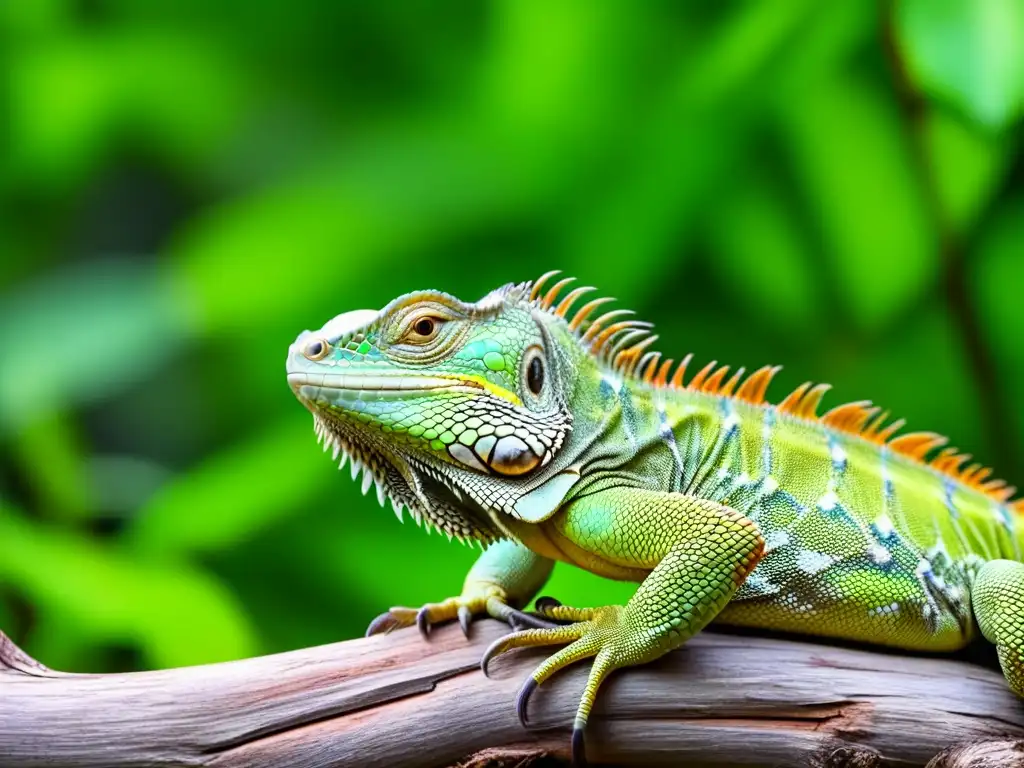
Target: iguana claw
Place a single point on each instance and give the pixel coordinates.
(463, 609)
(423, 620)
(545, 603)
(523, 699)
(383, 624)
(579, 747)
(465, 619)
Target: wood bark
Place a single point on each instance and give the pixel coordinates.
(400, 700)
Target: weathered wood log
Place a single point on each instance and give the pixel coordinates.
(401, 701)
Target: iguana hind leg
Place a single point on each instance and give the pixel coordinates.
(502, 580)
(700, 552)
(997, 597)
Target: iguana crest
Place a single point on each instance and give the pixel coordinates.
(622, 345)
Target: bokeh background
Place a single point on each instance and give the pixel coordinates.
(185, 185)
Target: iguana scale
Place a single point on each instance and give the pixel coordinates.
(548, 434)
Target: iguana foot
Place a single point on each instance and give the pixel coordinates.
(462, 608)
(505, 575)
(604, 633)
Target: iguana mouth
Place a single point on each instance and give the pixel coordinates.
(339, 387)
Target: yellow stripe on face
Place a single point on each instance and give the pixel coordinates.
(480, 381)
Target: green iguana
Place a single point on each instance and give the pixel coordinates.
(547, 435)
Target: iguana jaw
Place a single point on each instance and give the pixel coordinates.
(402, 470)
(407, 482)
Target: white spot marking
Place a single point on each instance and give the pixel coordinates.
(892, 609)
(813, 562)
(838, 455)
(776, 539)
(1000, 515)
(612, 381)
(829, 501)
(879, 554)
(760, 584)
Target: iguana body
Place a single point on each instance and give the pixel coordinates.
(561, 437)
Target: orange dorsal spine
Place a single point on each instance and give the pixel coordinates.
(623, 346)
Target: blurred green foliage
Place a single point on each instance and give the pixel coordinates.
(186, 185)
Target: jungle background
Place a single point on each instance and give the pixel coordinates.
(186, 185)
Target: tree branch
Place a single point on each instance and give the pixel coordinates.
(402, 701)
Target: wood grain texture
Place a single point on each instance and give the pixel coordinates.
(401, 701)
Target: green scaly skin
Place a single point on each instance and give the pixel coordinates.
(551, 439)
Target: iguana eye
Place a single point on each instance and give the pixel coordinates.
(422, 329)
(535, 375)
(533, 370)
(316, 349)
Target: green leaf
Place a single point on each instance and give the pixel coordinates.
(968, 52)
(763, 257)
(236, 493)
(80, 334)
(175, 94)
(53, 462)
(997, 276)
(349, 559)
(175, 614)
(7, 618)
(968, 165)
(263, 242)
(335, 234)
(633, 229)
(922, 374)
(852, 158)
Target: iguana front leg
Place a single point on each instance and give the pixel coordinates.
(699, 552)
(502, 580)
(997, 598)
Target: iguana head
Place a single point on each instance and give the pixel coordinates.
(458, 411)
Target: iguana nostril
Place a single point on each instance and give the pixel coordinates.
(315, 349)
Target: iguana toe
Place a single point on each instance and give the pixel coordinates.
(423, 618)
(520, 620)
(602, 633)
(464, 609)
(384, 623)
